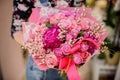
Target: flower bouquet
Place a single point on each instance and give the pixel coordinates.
(63, 38)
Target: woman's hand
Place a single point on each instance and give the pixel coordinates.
(18, 36)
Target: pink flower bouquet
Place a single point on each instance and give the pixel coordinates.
(63, 38)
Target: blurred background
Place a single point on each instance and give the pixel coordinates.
(105, 66)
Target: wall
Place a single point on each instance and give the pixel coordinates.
(10, 55)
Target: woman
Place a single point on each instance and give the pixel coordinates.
(21, 12)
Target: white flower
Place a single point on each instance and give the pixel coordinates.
(22, 7)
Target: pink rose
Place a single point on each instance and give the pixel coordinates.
(84, 24)
(53, 20)
(85, 56)
(75, 31)
(84, 46)
(51, 60)
(77, 58)
(59, 16)
(68, 36)
(58, 52)
(65, 23)
(66, 49)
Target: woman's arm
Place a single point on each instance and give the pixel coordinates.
(21, 12)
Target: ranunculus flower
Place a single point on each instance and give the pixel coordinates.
(58, 52)
(65, 49)
(50, 38)
(85, 56)
(51, 60)
(77, 58)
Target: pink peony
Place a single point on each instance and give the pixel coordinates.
(51, 60)
(50, 38)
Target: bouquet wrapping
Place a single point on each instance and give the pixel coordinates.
(63, 38)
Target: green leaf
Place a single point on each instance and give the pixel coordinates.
(101, 56)
(48, 24)
(80, 34)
